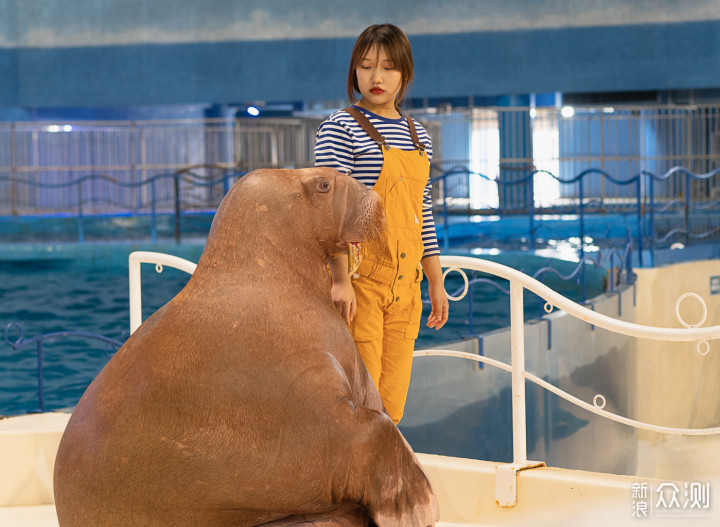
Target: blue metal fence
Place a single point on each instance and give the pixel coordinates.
(656, 221)
(20, 342)
(183, 182)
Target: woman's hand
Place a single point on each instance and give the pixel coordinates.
(440, 306)
(342, 292)
(438, 299)
(343, 296)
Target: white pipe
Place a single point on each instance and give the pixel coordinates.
(619, 418)
(160, 260)
(135, 293)
(463, 355)
(578, 311)
(574, 400)
(517, 345)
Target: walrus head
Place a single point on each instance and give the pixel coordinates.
(357, 211)
(298, 212)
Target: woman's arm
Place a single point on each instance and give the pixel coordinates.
(342, 292)
(438, 299)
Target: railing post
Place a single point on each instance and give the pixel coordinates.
(517, 344)
(226, 182)
(153, 215)
(531, 209)
(639, 222)
(651, 219)
(135, 294)
(81, 232)
(446, 230)
(471, 322)
(41, 388)
(133, 174)
(687, 208)
(13, 172)
(582, 240)
(176, 179)
(581, 215)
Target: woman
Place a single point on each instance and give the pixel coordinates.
(375, 143)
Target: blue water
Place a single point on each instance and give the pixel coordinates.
(45, 297)
(88, 292)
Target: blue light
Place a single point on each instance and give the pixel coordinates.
(252, 110)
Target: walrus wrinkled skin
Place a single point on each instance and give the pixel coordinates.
(243, 401)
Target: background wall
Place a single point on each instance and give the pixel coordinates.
(100, 53)
(676, 385)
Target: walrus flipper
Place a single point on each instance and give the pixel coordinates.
(385, 476)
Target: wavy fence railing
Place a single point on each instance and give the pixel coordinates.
(657, 221)
(174, 192)
(647, 209)
(19, 342)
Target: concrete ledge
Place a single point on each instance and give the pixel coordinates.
(546, 496)
(28, 445)
(465, 487)
(36, 516)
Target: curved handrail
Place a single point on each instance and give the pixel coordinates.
(455, 263)
(561, 393)
(576, 310)
(160, 260)
(518, 283)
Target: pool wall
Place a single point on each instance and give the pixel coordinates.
(677, 386)
(467, 409)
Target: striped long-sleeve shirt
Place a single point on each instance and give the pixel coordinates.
(343, 145)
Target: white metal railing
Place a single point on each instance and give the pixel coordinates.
(159, 259)
(518, 282)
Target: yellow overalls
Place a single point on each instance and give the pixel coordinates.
(387, 284)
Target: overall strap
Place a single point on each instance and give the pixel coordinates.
(366, 125)
(413, 133)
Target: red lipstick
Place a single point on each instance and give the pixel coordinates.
(377, 90)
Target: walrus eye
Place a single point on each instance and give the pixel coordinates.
(323, 185)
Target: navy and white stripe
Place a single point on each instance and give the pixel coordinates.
(342, 144)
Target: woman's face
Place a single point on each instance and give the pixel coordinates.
(379, 80)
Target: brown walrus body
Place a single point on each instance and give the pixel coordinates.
(243, 401)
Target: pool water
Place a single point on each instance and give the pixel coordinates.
(46, 297)
(92, 296)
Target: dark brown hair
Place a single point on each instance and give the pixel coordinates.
(396, 45)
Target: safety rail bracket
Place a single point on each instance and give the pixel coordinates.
(506, 481)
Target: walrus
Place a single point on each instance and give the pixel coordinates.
(243, 401)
